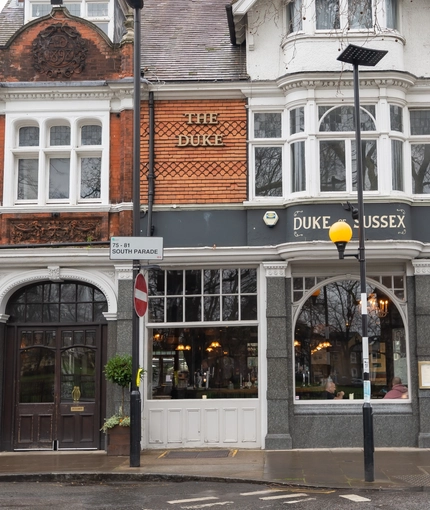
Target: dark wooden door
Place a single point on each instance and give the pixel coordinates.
(58, 388)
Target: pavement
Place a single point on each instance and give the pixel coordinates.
(394, 469)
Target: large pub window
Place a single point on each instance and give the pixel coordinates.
(203, 333)
(327, 340)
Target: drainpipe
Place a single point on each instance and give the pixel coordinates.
(151, 175)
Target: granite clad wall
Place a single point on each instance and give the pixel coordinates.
(278, 363)
(317, 425)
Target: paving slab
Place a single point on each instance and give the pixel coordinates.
(395, 469)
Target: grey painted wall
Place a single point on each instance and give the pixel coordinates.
(245, 227)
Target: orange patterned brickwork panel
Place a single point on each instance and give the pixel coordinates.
(200, 152)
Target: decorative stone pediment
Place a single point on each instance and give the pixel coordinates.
(59, 51)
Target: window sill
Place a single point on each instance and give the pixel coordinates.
(51, 208)
(346, 406)
(357, 33)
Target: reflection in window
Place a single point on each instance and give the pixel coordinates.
(342, 118)
(188, 363)
(298, 168)
(396, 118)
(327, 344)
(397, 164)
(392, 14)
(420, 122)
(57, 302)
(28, 175)
(91, 135)
(78, 374)
(294, 16)
(337, 171)
(369, 162)
(267, 125)
(203, 295)
(74, 174)
(420, 154)
(327, 14)
(59, 135)
(59, 178)
(360, 13)
(268, 171)
(90, 177)
(29, 136)
(332, 165)
(37, 369)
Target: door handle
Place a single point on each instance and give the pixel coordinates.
(76, 393)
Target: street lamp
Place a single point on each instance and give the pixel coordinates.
(340, 234)
(135, 400)
(357, 56)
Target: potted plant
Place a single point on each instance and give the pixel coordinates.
(118, 370)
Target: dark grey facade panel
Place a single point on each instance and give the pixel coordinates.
(393, 221)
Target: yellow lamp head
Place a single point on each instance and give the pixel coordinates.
(340, 234)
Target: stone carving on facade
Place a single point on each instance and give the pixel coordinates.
(59, 51)
(54, 273)
(51, 231)
(275, 269)
(421, 267)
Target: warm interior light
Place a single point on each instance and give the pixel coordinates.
(182, 347)
(378, 309)
(340, 234)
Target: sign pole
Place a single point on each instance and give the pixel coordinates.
(135, 399)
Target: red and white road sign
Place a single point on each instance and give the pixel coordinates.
(140, 295)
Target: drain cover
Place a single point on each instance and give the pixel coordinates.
(415, 480)
(212, 454)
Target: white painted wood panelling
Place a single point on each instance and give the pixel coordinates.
(193, 425)
(220, 423)
(230, 424)
(211, 425)
(174, 426)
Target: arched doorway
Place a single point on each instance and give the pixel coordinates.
(55, 339)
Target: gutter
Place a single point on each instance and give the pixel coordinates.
(151, 175)
(231, 27)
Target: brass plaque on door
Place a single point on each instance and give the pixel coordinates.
(77, 409)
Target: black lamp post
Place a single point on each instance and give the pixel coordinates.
(135, 400)
(357, 56)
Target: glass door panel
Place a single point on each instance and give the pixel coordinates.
(37, 375)
(78, 374)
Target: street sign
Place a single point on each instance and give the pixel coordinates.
(140, 295)
(136, 248)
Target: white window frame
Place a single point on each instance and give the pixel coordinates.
(420, 139)
(348, 137)
(75, 151)
(285, 142)
(308, 23)
(28, 12)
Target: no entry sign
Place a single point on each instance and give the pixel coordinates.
(140, 295)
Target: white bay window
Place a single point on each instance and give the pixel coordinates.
(54, 161)
(275, 174)
(329, 15)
